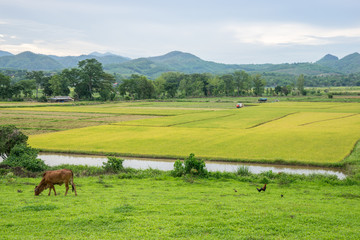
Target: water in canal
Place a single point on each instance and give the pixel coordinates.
(166, 164)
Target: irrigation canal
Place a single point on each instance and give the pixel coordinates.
(166, 164)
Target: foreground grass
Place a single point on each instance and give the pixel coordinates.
(109, 207)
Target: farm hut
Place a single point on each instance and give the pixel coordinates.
(262, 100)
(239, 105)
(61, 99)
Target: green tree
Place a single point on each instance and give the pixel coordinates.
(278, 89)
(137, 87)
(38, 77)
(242, 81)
(259, 85)
(172, 82)
(228, 84)
(5, 86)
(27, 87)
(59, 85)
(300, 84)
(90, 75)
(9, 137)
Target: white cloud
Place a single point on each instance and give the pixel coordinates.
(288, 33)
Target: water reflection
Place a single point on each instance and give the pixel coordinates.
(166, 164)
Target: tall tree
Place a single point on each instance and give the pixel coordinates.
(228, 80)
(259, 85)
(38, 76)
(300, 84)
(5, 86)
(91, 73)
(242, 81)
(59, 85)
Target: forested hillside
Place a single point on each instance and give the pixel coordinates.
(153, 67)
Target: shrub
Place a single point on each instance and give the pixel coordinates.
(265, 180)
(42, 99)
(113, 165)
(24, 156)
(243, 171)
(195, 166)
(191, 166)
(179, 169)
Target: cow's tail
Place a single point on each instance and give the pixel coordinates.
(72, 181)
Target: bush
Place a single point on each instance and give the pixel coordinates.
(113, 165)
(179, 169)
(195, 166)
(191, 166)
(42, 99)
(243, 171)
(24, 156)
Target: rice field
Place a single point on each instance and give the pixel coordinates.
(295, 132)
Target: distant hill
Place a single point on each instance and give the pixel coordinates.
(177, 61)
(30, 61)
(4, 53)
(348, 64)
(187, 63)
(72, 61)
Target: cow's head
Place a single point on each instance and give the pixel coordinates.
(38, 189)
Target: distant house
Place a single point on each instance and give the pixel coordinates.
(61, 99)
(262, 100)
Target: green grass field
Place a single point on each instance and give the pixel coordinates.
(303, 132)
(171, 208)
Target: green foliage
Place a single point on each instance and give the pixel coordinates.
(137, 87)
(179, 169)
(26, 157)
(9, 137)
(191, 166)
(194, 166)
(113, 165)
(42, 99)
(243, 171)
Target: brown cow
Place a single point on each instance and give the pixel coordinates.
(50, 178)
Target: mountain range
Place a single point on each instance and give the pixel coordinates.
(176, 61)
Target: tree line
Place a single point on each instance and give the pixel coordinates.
(89, 82)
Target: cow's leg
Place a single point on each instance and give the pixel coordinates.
(67, 188)
(50, 187)
(53, 187)
(74, 188)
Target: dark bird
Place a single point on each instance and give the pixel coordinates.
(282, 195)
(262, 189)
(235, 190)
(19, 191)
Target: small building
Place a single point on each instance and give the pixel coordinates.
(61, 99)
(262, 100)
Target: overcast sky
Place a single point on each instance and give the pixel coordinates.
(227, 31)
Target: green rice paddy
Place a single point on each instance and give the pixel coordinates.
(305, 133)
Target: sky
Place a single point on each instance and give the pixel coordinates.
(224, 31)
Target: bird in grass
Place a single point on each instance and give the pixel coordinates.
(19, 191)
(262, 189)
(282, 195)
(235, 190)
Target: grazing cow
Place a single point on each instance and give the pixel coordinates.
(51, 178)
